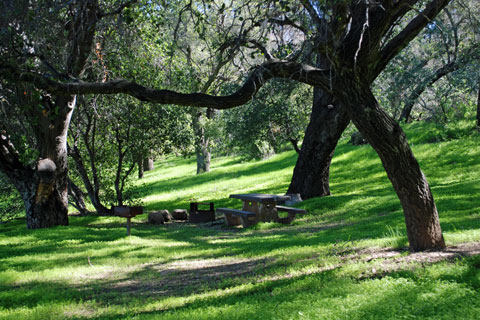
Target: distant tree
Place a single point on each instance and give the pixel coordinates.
(277, 116)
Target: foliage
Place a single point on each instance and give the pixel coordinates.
(11, 204)
(115, 133)
(278, 115)
(451, 43)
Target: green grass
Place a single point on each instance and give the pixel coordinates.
(345, 259)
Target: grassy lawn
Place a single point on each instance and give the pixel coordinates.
(345, 259)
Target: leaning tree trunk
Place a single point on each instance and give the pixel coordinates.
(312, 171)
(389, 141)
(201, 145)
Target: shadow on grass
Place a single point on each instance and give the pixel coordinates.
(324, 294)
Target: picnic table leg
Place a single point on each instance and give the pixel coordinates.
(251, 206)
(231, 220)
(268, 212)
(246, 222)
(265, 211)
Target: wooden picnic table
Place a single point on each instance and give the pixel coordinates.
(256, 208)
(264, 205)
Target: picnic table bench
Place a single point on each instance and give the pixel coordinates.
(258, 208)
(242, 214)
(292, 212)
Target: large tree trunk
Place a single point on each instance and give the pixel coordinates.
(389, 141)
(45, 196)
(201, 144)
(44, 189)
(44, 193)
(312, 170)
(46, 200)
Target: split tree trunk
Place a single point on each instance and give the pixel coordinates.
(144, 164)
(389, 141)
(312, 171)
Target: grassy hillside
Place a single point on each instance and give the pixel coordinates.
(345, 259)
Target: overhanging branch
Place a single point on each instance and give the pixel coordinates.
(258, 77)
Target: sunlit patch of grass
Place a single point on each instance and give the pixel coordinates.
(396, 239)
(315, 268)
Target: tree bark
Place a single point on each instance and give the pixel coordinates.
(312, 171)
(44, 189)
(389, 141)
(76, 195)
(93, 190)
(201, 144)
(148, 164)
(141, 168)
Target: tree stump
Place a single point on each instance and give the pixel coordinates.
(180, 214)
(156, 218)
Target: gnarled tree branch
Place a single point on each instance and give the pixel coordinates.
(276, 69)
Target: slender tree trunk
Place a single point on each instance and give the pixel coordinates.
(389, 141)
(141, 168)
(76, 195)
(312, 171)
(148, 164)
(294, 143)
(201, 145)
(203, 158)
(92, 189)
(423, 85)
